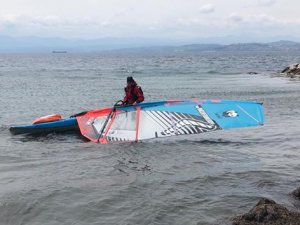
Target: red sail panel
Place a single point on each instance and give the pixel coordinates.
(103, 139)
(90, 123)
(138, 112)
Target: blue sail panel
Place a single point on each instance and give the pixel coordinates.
(235, 114)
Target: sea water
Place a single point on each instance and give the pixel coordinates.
(198, 179)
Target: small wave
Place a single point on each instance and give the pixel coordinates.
(4, 128)
(214, 141)
(137, 71)
(128, 70)
(225, 72)
(70, 70)
(79, 77)
(194, 140)
(265, 184)
(231, 73)
(134, 71)
(9, 159)
(66, 137)
(186, 72)
(212, 72)
(260, 173)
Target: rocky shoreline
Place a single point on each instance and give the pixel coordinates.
(268, 212)
(292, 70)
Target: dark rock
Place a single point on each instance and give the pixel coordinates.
(268, 212)
(285, 70)
(253, 73)
(296, 193)
(292, 70)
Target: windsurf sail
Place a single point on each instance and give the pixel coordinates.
(167, 118)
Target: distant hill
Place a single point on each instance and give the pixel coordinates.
(41, 44)
(48, 45)
(273, 46)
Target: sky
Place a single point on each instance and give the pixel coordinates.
(160, 19)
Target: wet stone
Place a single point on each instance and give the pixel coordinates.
(296, 193)
(268, 212)
(292, 70)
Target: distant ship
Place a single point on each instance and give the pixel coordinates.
(59, 51)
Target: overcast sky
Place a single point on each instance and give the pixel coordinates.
(177, 19)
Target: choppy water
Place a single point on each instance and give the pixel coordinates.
(201, 179)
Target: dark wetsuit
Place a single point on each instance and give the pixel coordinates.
(133, 93)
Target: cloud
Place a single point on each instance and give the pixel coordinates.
(258, 20)
(208, 8)
(146, 18)
(55, 26)
(266, 2)
(262, 18)
(50, 21)
(235, 17)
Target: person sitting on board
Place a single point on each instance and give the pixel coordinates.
(133, 93)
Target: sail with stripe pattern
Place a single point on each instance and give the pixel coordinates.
(167, 118)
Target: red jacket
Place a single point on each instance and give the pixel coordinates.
(133, 93)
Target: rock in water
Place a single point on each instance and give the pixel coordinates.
(296, 193)
(285, 70)
(292, 70)
(268, 212)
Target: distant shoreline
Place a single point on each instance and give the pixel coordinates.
(59, 52)
(43, 45)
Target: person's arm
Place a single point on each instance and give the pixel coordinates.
(139, 94)
(125, 100)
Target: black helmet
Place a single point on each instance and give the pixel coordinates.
(130, 80)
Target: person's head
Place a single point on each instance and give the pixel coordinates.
(130, 80)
